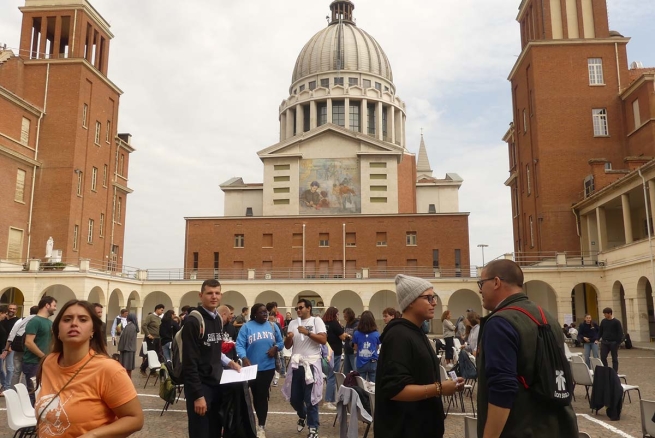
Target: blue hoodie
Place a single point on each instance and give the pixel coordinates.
(255, 340)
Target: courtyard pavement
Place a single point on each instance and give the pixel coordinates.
(637, 364)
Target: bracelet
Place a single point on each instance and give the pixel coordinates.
(438, 386)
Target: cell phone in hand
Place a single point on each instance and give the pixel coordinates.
(453, 376)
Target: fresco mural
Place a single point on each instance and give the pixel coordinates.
(330, 186)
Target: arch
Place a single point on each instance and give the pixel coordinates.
(543, 294)
(133, 301)
(318, 303)
(13, 295)
(380, 301)
(646, 323)
(191, 298)
(270, 296)
(348, 298)
(461, 300)
(59, 292)
(584, 299)
(154, 298)
(97, 295)
(115, 303)
(618, 303)
(234, 299)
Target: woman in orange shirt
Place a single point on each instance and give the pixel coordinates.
(83, 392)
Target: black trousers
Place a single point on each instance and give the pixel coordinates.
(208, 425)
(260, 390)
(610, 347)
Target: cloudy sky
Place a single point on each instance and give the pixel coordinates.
(203, 80)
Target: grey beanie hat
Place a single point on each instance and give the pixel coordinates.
(409, 288)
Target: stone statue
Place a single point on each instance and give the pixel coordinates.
(48, 247)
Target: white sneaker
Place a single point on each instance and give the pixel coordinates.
(260, 432)
(329, 405)
(275, 382)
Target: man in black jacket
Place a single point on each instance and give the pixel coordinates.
(611, 336)
(202, 365)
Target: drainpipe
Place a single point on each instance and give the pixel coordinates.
(344, 251)
(303, 250)
(618, 71)
(36, 156)
(650, 237)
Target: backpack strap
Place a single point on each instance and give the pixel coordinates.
(528, 314)
(201, 321)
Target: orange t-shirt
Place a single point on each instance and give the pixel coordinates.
(87, 402)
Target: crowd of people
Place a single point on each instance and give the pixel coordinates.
(82, 392)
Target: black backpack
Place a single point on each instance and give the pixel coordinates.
(552, 381)
(18, 344)
(466, 366)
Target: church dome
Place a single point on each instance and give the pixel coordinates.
(342, 46)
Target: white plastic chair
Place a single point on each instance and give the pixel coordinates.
(596, 362)
(647, 411)
(153, 364)
(16, 418)
(581, 376)
(25, 402)
(628, 388)
(568, 353)
(144, 348)
(456, 343)
(577, 359)
(361, 382)
(470, 427)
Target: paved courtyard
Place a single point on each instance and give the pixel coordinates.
(638, 365)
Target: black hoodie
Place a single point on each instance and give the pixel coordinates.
(406, 358)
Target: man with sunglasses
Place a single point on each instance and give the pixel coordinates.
(304, 389)
(506, 362)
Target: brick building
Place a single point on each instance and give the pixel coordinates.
(341, 195)
(63, 166)
(580, 117)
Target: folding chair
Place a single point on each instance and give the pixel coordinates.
(338, 379)
(581, 376)
(647, 412)
(627, 389)
(153, 364)
(470, 427)
(361, 412)
(595, 362)
(22, 425)
(25, 402)
(567, 352)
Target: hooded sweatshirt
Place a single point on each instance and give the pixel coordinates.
(406, 358)
(255, 340)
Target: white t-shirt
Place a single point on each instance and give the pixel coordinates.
(302, 345)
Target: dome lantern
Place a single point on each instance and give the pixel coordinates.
(342, 10)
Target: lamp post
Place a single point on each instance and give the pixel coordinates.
(483, 246)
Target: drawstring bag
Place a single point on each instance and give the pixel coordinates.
(327, 359)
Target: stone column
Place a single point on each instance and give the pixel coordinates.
(89, 42)
(378, 123)
(563, 305)
(283, 126)
(44, 32)
(627, 218)
(602, 228)
(300, 119)
(139, 317)
(392, 123)
(313, 119)
(289, 130)
(591, 237)
(55, 48)
(329, 110)
(364, 116)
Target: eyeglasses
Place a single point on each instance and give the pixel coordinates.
(299, 308)
(481, 282)
(432, 299)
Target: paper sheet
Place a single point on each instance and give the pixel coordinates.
(231, 376)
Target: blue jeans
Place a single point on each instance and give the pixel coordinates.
(166, 351)
(29, 370)
(3, 376)
(330, 392)
(367, 371)
(590, 347)
(301, 398)
(9, 360)
(283, 369)
(349, 363)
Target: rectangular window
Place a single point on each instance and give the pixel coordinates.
(378, 86)
(353, 81)
(410, 238)
(108, 133)
(85, 115)
(281, 202)
(195, 260)
(525, 121)
(15, 245)
(527, 178)
(121, 165)
(89, 237)
(312, 85)
(325, 83)
(338, 113)
(80, 180)
(435, 258)
(76, 232)
(282, 167)
(239, 241)
(635, 113)
(378, 165)
(321, 111)
(19, 193)
(119, 208)
(531, 233)
(381, 239)
(94, 178)
(351, 239)
(97, 136)
(366, 83)
(595, 71)
(267, 241)
(216, 260)
(384, 122)
(324, 239)
(378, 199)
(338, 81)
(104, 176)
(285, 178)
(281, 190)
(355, 120)
(296, 240)
(25, 131)
(370, 109)
(302, 88)
(600, 122)
(458, 258)
(101, 231)
(378, 188)
(378, 176)
(306, 116)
